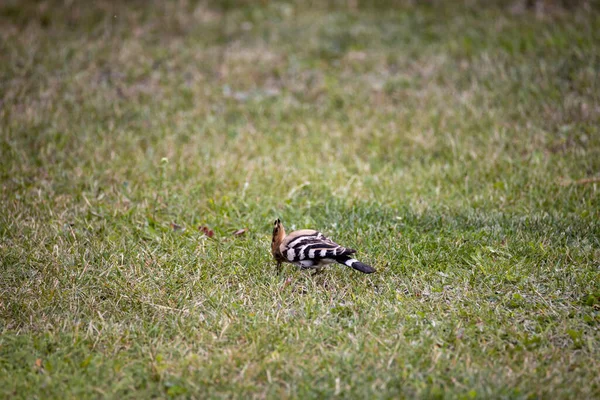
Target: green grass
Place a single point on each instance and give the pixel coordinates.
(446, 142)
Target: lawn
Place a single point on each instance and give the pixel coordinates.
(456, 145)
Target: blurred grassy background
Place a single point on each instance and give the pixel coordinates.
(455, 144)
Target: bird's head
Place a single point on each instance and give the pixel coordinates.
(278, 235)
(278, 229)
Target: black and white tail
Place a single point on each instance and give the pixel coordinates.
(354, 263)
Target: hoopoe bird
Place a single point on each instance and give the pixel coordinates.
(309, 249)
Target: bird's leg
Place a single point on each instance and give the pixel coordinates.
(317, 271)
(278, 267)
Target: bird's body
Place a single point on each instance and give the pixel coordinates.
(310, 249)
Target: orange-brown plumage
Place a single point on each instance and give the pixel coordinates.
(278, 236)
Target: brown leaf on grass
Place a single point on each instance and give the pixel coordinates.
(38, 366)
(177, 227)
(240, 232)
(208, 232)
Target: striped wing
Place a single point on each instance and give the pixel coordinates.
(304, 246)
